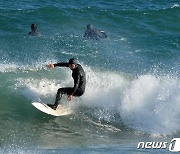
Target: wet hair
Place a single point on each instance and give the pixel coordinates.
(89, 26)
(72, 61)
(33, 27)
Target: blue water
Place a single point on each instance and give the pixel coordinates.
(133, 81)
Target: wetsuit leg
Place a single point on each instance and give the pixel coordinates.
(62, 91)
(78, 93)
(59, 94)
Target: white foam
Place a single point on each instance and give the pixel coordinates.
(14, 67)
(175, 6)
(35, 89)
(8, 68)
(152, 104)
(103, 88)
(147, 103)
(41, 89)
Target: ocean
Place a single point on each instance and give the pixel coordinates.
(133, 76)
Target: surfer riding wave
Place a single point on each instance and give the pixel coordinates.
(79, 77)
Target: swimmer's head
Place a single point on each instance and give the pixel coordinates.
(89, 26)
(33, 27)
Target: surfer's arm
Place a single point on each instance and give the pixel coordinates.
(61, 64)
(76, 84)
(85, 34)
(104, 34)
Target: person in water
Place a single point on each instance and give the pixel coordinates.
(79, 77)
(34, 31)
(94, 33)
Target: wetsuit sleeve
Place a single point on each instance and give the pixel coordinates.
(104, 34)
(85, 34)
(76, 84)
(62, 64)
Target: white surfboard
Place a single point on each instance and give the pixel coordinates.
(60, 111)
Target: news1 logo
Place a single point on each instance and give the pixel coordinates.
(174, 145)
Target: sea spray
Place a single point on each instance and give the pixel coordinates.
(151, 104)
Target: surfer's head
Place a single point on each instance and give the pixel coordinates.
(89, 27)
(33, 27)
(72, 63)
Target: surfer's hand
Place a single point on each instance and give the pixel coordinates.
(51, 66)
(70, 97)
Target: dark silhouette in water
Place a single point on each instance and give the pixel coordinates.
(34, 31)
(94, 33)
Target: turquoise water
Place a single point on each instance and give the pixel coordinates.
(133, 84)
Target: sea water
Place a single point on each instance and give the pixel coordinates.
(133, 82)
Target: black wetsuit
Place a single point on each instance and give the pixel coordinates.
(79, 77)
(95, 34)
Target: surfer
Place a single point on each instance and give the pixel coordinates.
(79, 77)
(94, 33)
(34, 31)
